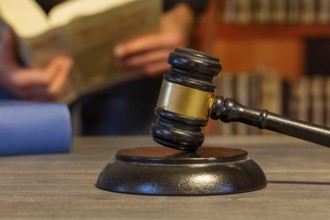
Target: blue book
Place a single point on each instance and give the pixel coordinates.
(34, 128)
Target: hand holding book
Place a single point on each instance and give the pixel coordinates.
(35, 83)
(85, 30)
(148, 53)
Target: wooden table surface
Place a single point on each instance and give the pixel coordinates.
(61, 186)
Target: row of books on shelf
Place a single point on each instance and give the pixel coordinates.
(305, 98)
(274, 11)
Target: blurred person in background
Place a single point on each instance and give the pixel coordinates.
(124, 109)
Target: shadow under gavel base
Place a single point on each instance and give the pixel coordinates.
(166, 171)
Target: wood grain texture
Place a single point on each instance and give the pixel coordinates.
(62, 186)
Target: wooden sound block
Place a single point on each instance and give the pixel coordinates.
(166, 171)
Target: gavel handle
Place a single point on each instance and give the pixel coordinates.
(228, 110)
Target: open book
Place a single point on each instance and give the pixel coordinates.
(86, 29)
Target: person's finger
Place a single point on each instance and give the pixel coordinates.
(146, 43)
(23, 78)
(31, 86)
(52, 69)
(56, 75)
(59, 82)
(48, 81)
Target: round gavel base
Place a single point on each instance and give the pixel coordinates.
(165, 171)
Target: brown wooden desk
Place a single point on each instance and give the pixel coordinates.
(62, 186)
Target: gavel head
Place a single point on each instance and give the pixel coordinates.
(185, 99)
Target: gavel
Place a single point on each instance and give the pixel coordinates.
(187, 100)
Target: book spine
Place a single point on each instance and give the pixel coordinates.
(244, 12)
(254, 88)
(279, 11)
(327, 101)
(242, 96)
(317, 99)
(307, 11)
(230, 15)
(303, 98)
(322, 11)
(226, 89)
(293, 11)
(261, 10)
(271, 90)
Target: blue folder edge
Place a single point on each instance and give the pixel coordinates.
(34, 127)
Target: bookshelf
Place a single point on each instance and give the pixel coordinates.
(299, 31)
(250, 46)
(284, 49)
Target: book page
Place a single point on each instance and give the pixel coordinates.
(67, 11)
(25, 17)
(94, 37)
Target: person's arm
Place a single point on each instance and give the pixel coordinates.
(39, 84)
(148, 54)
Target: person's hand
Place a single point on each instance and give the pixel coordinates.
(148, 54)
(38, 84)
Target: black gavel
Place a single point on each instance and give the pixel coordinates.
(187, 99)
